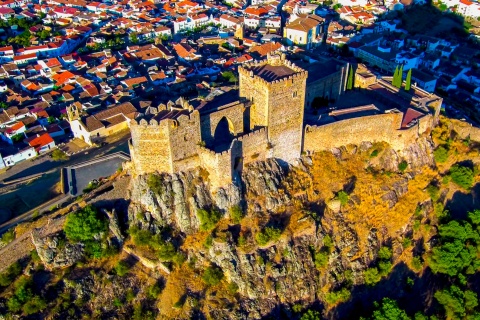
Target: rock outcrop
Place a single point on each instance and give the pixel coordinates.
(283, 271)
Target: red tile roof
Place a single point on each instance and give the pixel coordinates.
(40, 141)
(410, 116)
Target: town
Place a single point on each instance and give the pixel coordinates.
(74, 74)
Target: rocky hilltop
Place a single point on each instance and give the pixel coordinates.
(323, 238)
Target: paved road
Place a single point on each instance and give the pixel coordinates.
(45, 163)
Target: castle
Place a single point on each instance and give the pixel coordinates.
(263, 119)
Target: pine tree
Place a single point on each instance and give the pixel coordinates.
(395, 77)
(408, 82)
(400, 77)
(350, 79)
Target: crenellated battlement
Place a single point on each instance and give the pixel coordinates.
(252, 134)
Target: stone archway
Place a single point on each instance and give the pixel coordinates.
(224, 132)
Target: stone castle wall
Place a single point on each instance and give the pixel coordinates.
(233, 113)
(150, 148)
(285, 116)
(169, 146)
(255, 146)
(185, 137)
(220, 166)
(254, 89)
(375, 128)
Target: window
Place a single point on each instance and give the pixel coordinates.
(294, 94)
(98, 134)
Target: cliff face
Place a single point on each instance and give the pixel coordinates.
(303, 202)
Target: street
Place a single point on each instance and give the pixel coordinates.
(24, 196)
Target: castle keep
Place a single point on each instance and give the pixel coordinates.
(266, 118)
(263, 120)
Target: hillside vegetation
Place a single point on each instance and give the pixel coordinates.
(362, 231)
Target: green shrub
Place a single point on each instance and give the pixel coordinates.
(384, 268)
(417, 263)
(372, 276)
(208, 242)
(338, 296)
(406, 243)
(9, 275)
(155, 183)
(208, 219)
(241, 241)
(440, 154)
(389, 310)
(212, 275)
(311, 315)
(34, 305)
(8, 236)
(232, 288)
(385, 253)
(154, 291)
(457, 303)
(166, 251)
(433, 192)
(268, 234)
(85, 224)
(474, 217)
(236, 214)
(59, 155)
(328, 242)
(462, 176)
(343, 197)
(321, 259)
(374, 153)
(402, 166)
(121, 268)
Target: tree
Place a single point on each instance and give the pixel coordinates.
(462, 176)
(400, 76)
(59, 155)
(350, 79)
(212, 275)
(457, 251)
(395, 78)
(440, 154)
(408, 82)
(389, 310)
(85, 224)
(208, 219)
(311, 315)
(457, 303)
(133, 38)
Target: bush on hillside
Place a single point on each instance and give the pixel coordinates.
(212, 275)
(208, 219)
(440, 154)
(85, 224)
(268, 234)
(462, 176)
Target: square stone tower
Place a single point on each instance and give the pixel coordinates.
(276, 88)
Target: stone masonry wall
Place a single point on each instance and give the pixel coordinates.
(254, 89)
(285, 116)
(255, 146)
(355, 131)
(220, 165)
(150, 147)
(185, 137)
(234, 115)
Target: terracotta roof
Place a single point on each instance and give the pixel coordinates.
(410, 116)
(40, 141)
(134, 81)
(266, 48)
(61, 78)
(17, 126)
